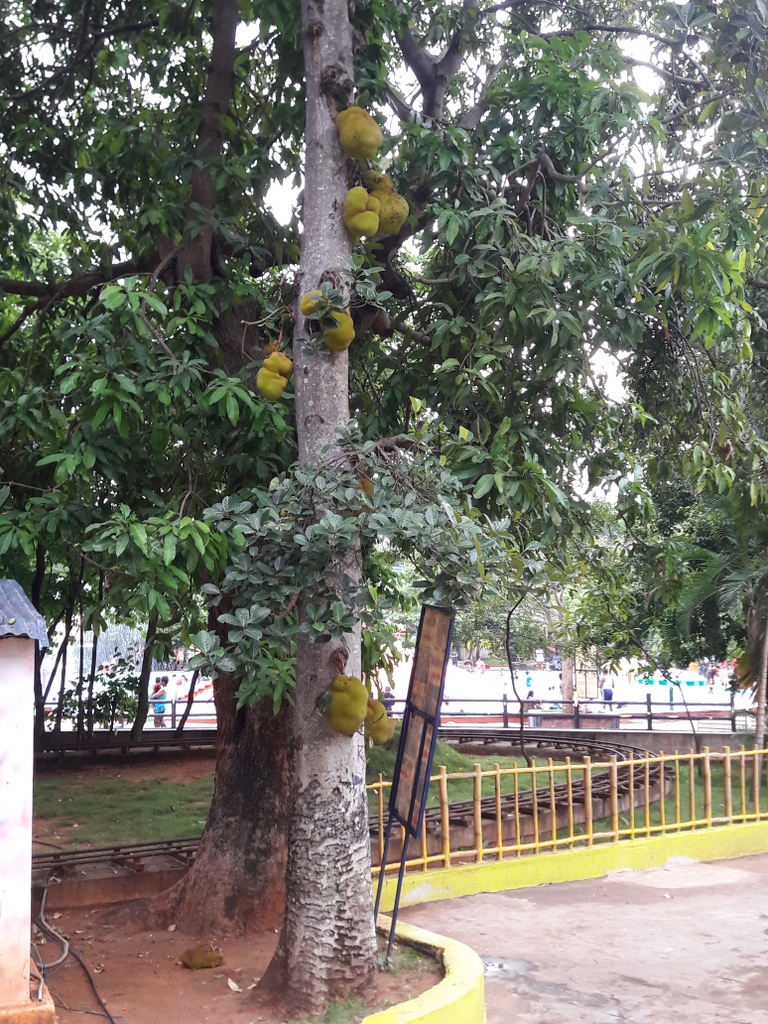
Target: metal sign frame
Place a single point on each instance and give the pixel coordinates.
(418, 736)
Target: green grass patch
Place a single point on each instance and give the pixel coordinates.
(75, 811)
(382, 759)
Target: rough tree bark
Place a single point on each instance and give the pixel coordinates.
(238, 878)
(327, 948)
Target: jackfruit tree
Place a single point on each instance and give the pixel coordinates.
(565, 194)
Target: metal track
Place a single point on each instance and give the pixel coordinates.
(133, 855)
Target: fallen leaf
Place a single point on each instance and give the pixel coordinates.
(171, 927)
(233, 985)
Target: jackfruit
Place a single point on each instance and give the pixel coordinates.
(376, 181)
(278, 362)
(359, 135)
(197, 957)
(270, 384)
(348, 705)
(361, 212)
(309, 302)
(393, 208)
(340, 338)
(379, 727)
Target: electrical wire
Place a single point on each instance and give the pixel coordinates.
(57, 936)
(38, 974)
(67, 949)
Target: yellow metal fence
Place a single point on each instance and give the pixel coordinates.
(569, 804)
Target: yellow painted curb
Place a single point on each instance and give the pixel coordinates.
(575, 865)
(458, 999)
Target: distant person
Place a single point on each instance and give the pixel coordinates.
(480, 665)
(539, 655)
(388, 700)
(607, 692)
(468, 666)
(454, 657)
(555, 664)
(158, 701)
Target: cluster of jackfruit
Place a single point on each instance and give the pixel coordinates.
(273, 376)
(371, 209)
(393, 209)
(336, 325)
(347, 705)
(361, 212)
(375, 209)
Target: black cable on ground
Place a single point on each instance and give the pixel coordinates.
(67, 949)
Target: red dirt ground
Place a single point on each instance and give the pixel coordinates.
(139, 974)
(140, 977)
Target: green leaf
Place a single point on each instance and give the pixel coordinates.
(483, 486)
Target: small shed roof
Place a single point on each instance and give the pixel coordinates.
(18, 616)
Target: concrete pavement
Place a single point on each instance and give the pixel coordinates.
(685, 944)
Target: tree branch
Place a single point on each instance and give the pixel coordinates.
(471, 119)
(16, 324)
(75, 285)
(196, 251)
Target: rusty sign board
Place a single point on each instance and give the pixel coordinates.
(420, 722)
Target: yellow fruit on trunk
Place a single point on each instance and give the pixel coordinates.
(269, 384)
(278, 362)
(375, 181)
(309, 302)
(361, 212)
(340, 338)
(359, 135)
(379, 727)
(393, 212)
(393, 208)
(348, 704)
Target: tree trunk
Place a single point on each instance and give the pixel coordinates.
(566, 675)
(188, 706)
(146, 670)
(63, 682)
(94, 657)
(238, 877)
(36, 595)
(762, 679)
(327, 948)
